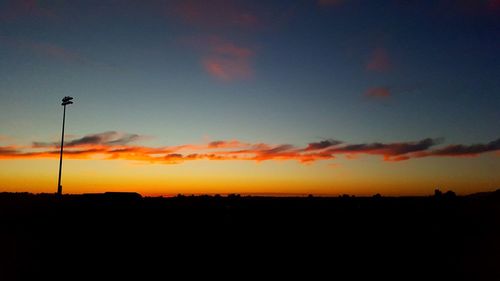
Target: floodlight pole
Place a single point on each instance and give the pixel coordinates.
(65, 101)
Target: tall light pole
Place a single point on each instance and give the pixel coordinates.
(65, 101)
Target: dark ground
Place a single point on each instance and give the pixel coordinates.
(119, 236)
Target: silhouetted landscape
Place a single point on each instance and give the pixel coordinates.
(122, 233)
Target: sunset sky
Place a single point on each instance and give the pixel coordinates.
(290, 97)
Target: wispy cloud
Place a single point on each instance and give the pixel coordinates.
(8, 150)
(113, 145)
(224, 59)
(216, 14)
(46, 49)
(494, 5)
(390, 151)
(14, 9)
(378, 93)
(54, 51)
(226, 144)
(464, 150)
(326, 3)
(321, 145)
(470, 7)
(228, 68)
(5, 138)
(223, 55)
(379, 61)
(106, 138)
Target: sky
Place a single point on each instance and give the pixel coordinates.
(291, 97)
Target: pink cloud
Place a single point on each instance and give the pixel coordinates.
(329, 2)
(228, 68)
(227, 61)
(222, 58)
(494, 5)
(471, 7)
(216, 14)
(44, 49)
(55, 51)
(379, 61)
(230, 49)
(378, 93)
(15, 9)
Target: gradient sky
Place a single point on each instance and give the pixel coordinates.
(396, 97)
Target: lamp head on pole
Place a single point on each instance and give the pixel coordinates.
(67, 100)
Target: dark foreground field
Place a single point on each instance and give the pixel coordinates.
(119, 235)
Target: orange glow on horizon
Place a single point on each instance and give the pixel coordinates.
(364, 177)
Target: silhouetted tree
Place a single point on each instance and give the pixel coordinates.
(438, 193)
(450, 194)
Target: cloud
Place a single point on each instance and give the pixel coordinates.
(215, 24)
(390, 151)
(321, 145)
(227, 61)
(55, 51)
(470, 7)
(216, 14)
(379, 61)
(14, 9)
(8, 150)
(225, 144)
(45, 49)
(493, 5)
(329, 2)
(228, 68)
(465, 150)
(107, 138)
(378, 93)
(113, 146)
(5, 138)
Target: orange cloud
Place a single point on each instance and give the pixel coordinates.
(378, 93)
(6, 151)
(113, 145)
(379, 61)
(5, 138)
